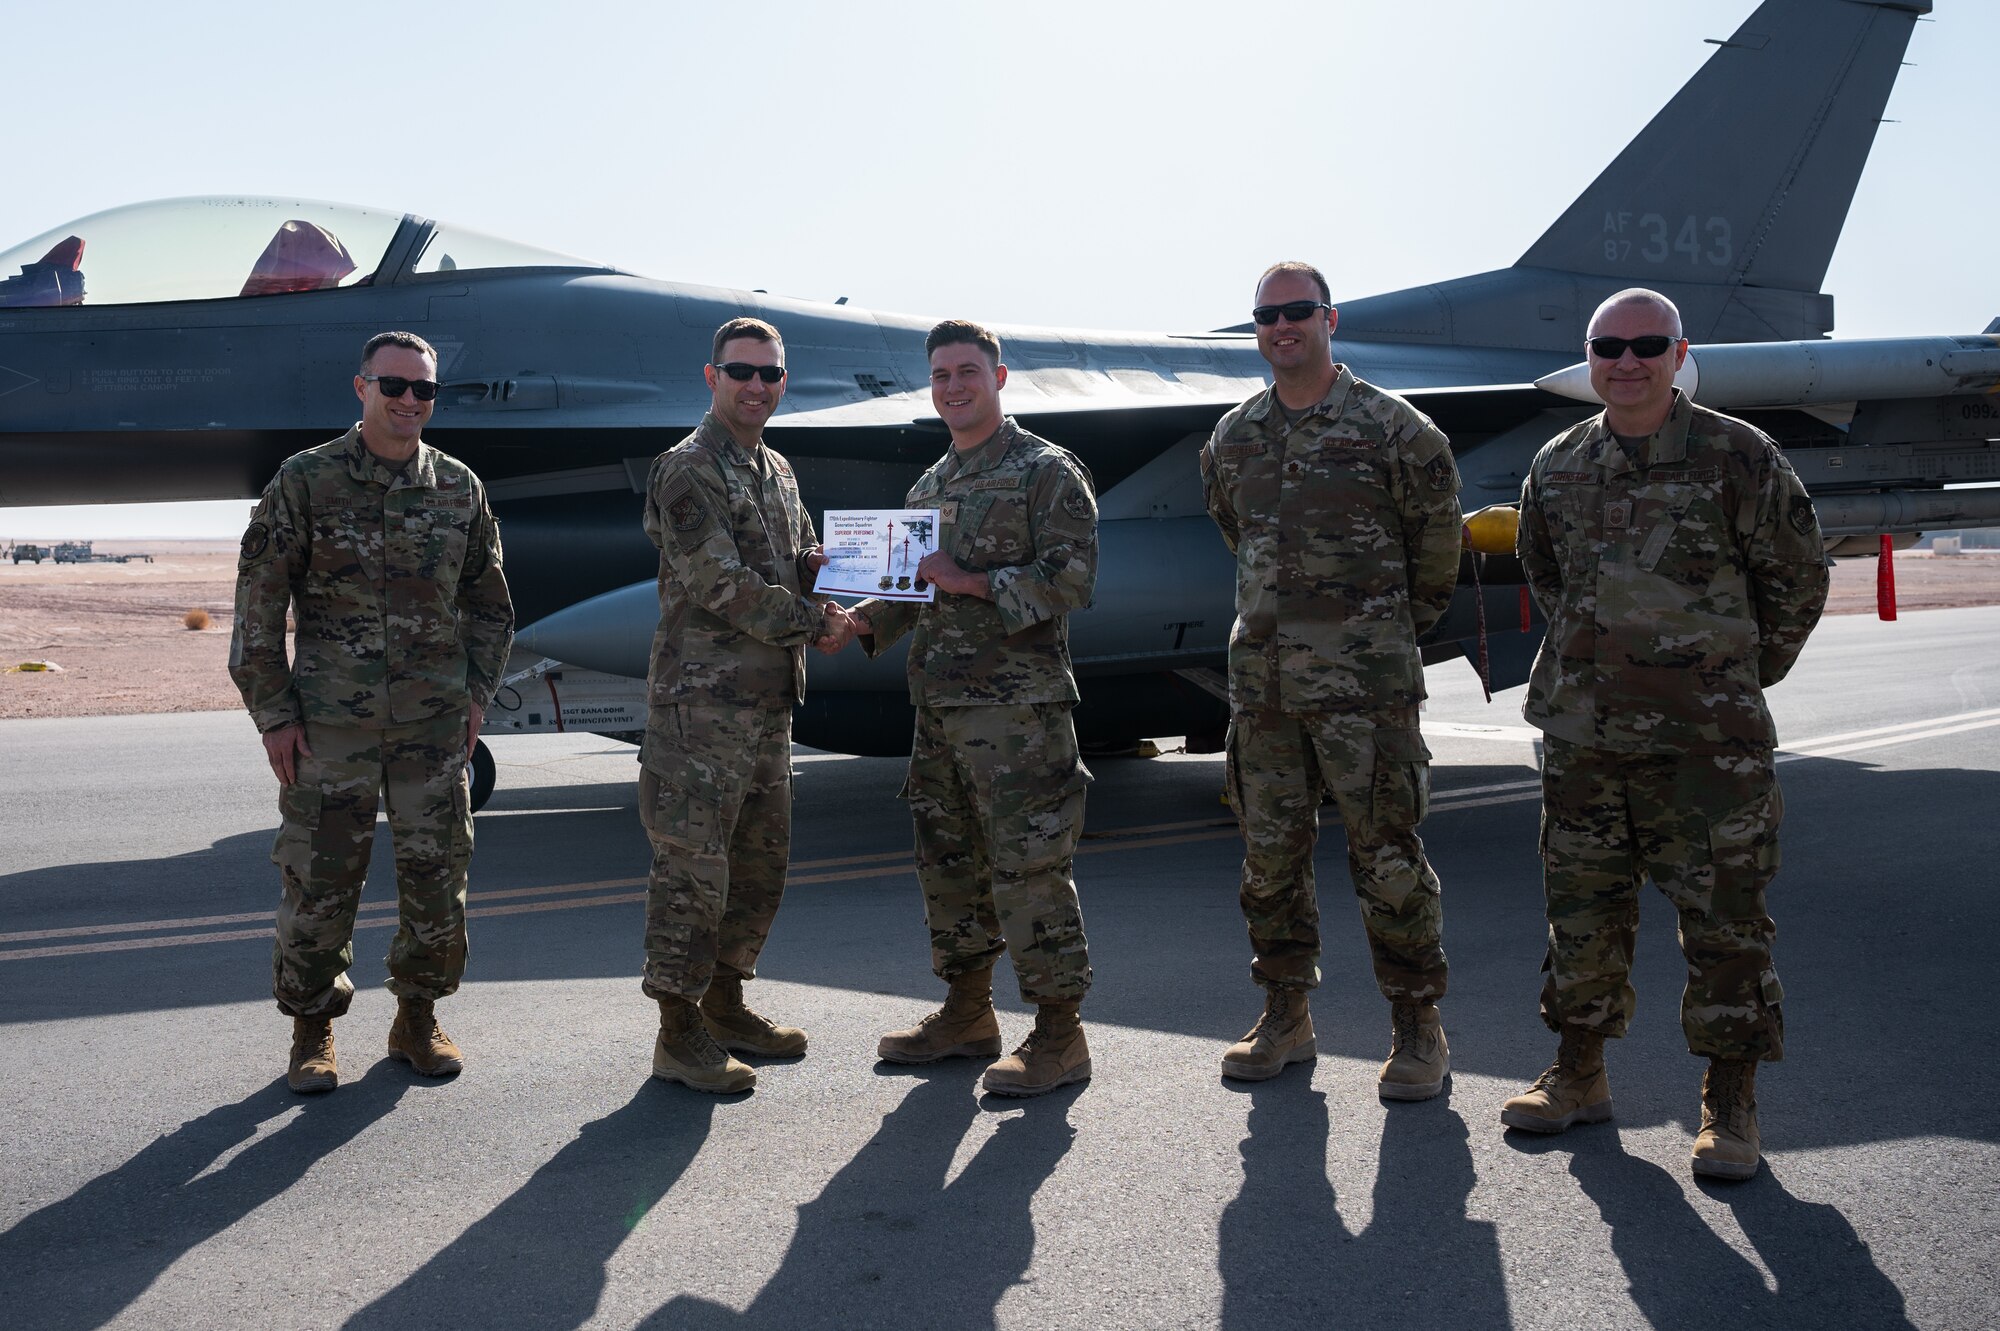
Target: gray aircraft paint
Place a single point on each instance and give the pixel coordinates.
(562, 382)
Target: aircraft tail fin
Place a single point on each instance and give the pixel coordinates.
(1745, 178)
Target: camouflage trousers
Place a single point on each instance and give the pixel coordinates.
(715, 798)
(324, 842)
(1377, 770)
(996, 793)
(1705, 828)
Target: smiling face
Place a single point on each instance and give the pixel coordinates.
(744, 407)
(965, 389)
(1304, 347)
(1637, 393)
(391, 426)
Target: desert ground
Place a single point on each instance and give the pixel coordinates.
(117, 631)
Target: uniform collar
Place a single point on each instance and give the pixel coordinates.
(986, 455)
(1335, 401)
(712, 433)
(1666, 446)
(365, 467)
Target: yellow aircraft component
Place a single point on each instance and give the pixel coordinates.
(1490, 531)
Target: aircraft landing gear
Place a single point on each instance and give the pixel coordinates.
(480, 772)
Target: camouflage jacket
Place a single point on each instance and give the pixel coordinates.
(1024, 512)
(395, 579)
(733, 539)
(1346, 533)
(1677, 585)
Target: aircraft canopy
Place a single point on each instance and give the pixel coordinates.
(224, 247)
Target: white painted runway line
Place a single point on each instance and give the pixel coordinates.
(618, 891)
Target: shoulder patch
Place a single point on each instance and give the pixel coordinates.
(1077, 504)
(1804, 521)
(685, 513)
(1440, 470)
(256, 540)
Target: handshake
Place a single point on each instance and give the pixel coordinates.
(842, 627)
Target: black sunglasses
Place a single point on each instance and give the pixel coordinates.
(1297, 311)
(1645, 348)
(395, 385)
(741, 371)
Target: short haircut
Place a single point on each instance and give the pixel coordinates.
(410, 340)
(1294, 266)
(1641, 296)
(956, 332)
(754, 329)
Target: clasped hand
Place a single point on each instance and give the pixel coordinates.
(842, 627)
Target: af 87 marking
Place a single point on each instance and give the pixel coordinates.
(1659, 239)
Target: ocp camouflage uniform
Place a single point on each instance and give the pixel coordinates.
(1346, 533)
(404, 621)
(996, 785)
(715, 790)
(1679, 583)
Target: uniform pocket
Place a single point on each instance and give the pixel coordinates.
(1401, 780)
(441, 540)
(1040, 809)
(299, 811)
(461, 826)
(1743, 850)
(687, 812)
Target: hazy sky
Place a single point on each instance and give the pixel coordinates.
(1105, 164)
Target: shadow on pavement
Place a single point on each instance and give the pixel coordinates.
(1288, 1259)
(80, 1262)
(1884, 877)
(890, 1235)
(1684, 1277)
(538, 1258)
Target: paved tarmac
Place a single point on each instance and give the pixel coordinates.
(155, 1172)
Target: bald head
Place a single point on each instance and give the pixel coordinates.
(1669, 315)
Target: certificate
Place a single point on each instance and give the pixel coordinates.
(875, 552)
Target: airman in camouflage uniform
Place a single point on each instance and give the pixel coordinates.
(387, 553)
(737, 552)
(1679, 562)
(1340, 501)
(996, 784)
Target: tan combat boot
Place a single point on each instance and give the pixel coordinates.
(1728, 1146)
(685, 1052)
(1284, 1034)
(1419, 1060)
(418, 1040)
(743, 1029)
(964, 1027)
(1054, 1054)
(313, 1069)
(1573, 1090)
